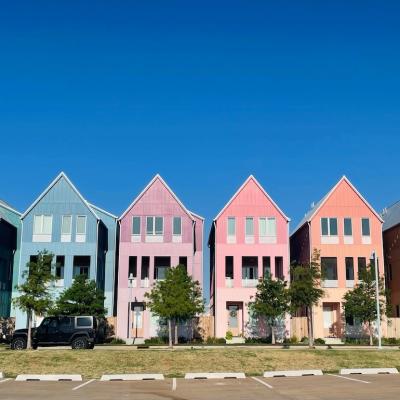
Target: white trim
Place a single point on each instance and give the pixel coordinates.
(154, 226)
(176, 234)
(328, 195)
(103, 211)
(351, 224)
(140, 225)
(197, 215)
(251, 177)
(59, 176)
(9, 208)
(62, 223)
(157, 177)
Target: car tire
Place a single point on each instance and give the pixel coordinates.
(34, 346)
(79, 343)
(18, 344)
(91, 346)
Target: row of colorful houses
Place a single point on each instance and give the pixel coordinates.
(249, 238)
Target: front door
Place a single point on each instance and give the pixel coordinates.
(328, 320)
(233, 319)
(137, 321)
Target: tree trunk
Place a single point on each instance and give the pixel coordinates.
(176, 332)
(310, 327)
(371, 335)
(169, 333)
(272, 334)
(29, 338)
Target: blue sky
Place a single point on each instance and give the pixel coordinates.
(204, 93)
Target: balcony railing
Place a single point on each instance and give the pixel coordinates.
(330, 283)
(228, 282)
(249, 282)
(144, 283)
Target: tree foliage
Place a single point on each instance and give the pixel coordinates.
(271, 301)
(305, 289)
(176, 298)
(83, 297)
(360, 302)
(36, 296)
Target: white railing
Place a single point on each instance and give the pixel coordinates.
(144, 283)
(350, 283)
(228, 282)
(330, 283)
(249, 282)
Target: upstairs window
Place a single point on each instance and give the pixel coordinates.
(349, 269)
(347, 227)
(81, 266)
(329, 268)
(59, 271)
(66, 228)
(329, 227)
(80, 228)
(177, 226)
(231, 226)
(132, 271)
(362, 265)
(229, 267)
(135, 225)
(249, 226)
(154, 226)
(42, 228)
(365, 228)
(267, 226)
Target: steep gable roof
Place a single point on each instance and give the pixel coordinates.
(52, 184)
(157, 178)
(310, 214)
(103, 211)
(391, 216)
(8, 207)
(251, 178)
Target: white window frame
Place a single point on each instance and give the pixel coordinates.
(41, 236)
(136, 237)
(249, 239)
(80, 237)
(153, 237)
(176, 237)
(230, 238)
(266, 238)
(348, 239)
(365, 239)
(329, 238)
(66, 236)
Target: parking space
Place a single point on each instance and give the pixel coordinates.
(327, 387)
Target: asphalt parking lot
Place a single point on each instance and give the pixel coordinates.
(327, 387)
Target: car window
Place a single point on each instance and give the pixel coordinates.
(53, 323)
(45, 322)
(65, 322)
(84, 322)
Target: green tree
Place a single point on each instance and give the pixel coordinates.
(83, 297)
(176, 298)
(305, 289)
(35, 291)
(271, 302)
(360, 302)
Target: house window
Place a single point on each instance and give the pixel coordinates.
(161, 265)
(144, 273)
(177, 226)
(229, 267)
(81, 266)
(249, 268)
(66, 228)
(329, 268)
(266, 266)
(59, 271)
(42, 228)
(365, 228)
(231, 226)
(183, 262)
(267, 227)
(155, 226)
(362, 265)
(135, 225)
(80, 228)
(279, 268)
(132, 267)
(329, 226)
(249, 226)
(347, 227)
(349, 269)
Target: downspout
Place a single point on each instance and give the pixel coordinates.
(215, 278)
(312, 308)
(97, 249)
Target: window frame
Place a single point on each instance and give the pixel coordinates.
(329, 226)
(173, 225)
(140, 225)
(234, 226)
(245, 226)
(41, 216)
(63, 217)
(76, 228)
(153, 233)
(369, 226)
(344, 227)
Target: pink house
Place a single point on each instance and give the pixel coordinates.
(156, 232)
(249, 238)
(346, 230)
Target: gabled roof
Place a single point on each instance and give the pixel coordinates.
(103, 211)
(310, 214)
(157, 178)
(391, 216)
(251, 178)
(59, 176)
(196, 215)
(8, 207)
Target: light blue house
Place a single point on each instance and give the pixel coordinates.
(10, 238)
(82, 237)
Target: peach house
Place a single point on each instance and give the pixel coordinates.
(346, 230)
(156, 232)
(249, 238)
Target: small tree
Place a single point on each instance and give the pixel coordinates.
(360, 302)
(83, 297)
(271, 302)
(305, 289)
(35, 291)
(178, 297)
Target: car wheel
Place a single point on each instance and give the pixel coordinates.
(18, 344)
(91, 346)
(79, 343)
(34, 346)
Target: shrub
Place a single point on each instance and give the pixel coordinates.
(160, 340)
(294, 339)
(266, 340)
(304, 340)
(319, 341)
(229, 335)
(214, 340)
(117, 340)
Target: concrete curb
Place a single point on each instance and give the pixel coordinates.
(300, 372)
(49, 378)
(133, 377)
(215, 375)
(368, 371)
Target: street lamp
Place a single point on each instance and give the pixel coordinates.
(378, 310)
(130, 286)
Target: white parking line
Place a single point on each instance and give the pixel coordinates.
(5, 380)
(262, 382)
(173, 383)
(349, 379)
(83, 384)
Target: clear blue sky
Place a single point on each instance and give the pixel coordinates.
(203, 93)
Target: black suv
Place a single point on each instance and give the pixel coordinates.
(78, 331)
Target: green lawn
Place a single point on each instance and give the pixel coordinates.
(252, 361)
